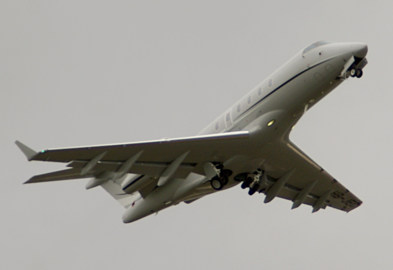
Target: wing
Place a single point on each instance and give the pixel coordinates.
(107, 164)
(153, 157)
(299, 179)
(113, 166)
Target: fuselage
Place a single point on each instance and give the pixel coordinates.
(268, 112)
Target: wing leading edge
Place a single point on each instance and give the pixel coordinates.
(154, 151)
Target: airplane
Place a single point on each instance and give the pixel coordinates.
(248, 144)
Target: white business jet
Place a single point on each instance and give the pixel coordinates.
(248, 144)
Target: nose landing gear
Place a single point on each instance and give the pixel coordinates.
(358, 73)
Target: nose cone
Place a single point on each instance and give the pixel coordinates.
(359, 49)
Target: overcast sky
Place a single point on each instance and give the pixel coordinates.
(93, 72)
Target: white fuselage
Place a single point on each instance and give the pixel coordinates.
(281, 99)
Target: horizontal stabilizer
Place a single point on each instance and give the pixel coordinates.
(29, 153)
(69, 174)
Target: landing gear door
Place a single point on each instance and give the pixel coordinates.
(228, 120)
(347, 65)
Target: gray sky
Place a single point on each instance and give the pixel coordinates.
(93, 72)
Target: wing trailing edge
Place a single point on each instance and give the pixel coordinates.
(69, 174)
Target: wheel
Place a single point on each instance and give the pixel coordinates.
(352, 72)
(256, 186)
(246, 183)
(253, 189)
(224, 180)
(216, 184)
(359, 73)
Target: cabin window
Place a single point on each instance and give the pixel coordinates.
(259, 91)
(238, 108)
(217, 126)
(270, 82)
(249, 99)
(228, 117)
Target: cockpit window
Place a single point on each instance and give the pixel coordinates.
(323, 42)
(314, 45)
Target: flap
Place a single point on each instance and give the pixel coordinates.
(69, 174)
(145, 168)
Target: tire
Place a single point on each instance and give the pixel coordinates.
(224, 180)
(253, 189)
(359, 73)
(352, 72)
(246, 183)
(216, 184)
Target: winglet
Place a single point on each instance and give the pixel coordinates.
(29, 153)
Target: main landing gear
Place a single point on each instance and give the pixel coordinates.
(221, 178)
(253, 181)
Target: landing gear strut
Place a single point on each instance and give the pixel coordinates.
(221, 178)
